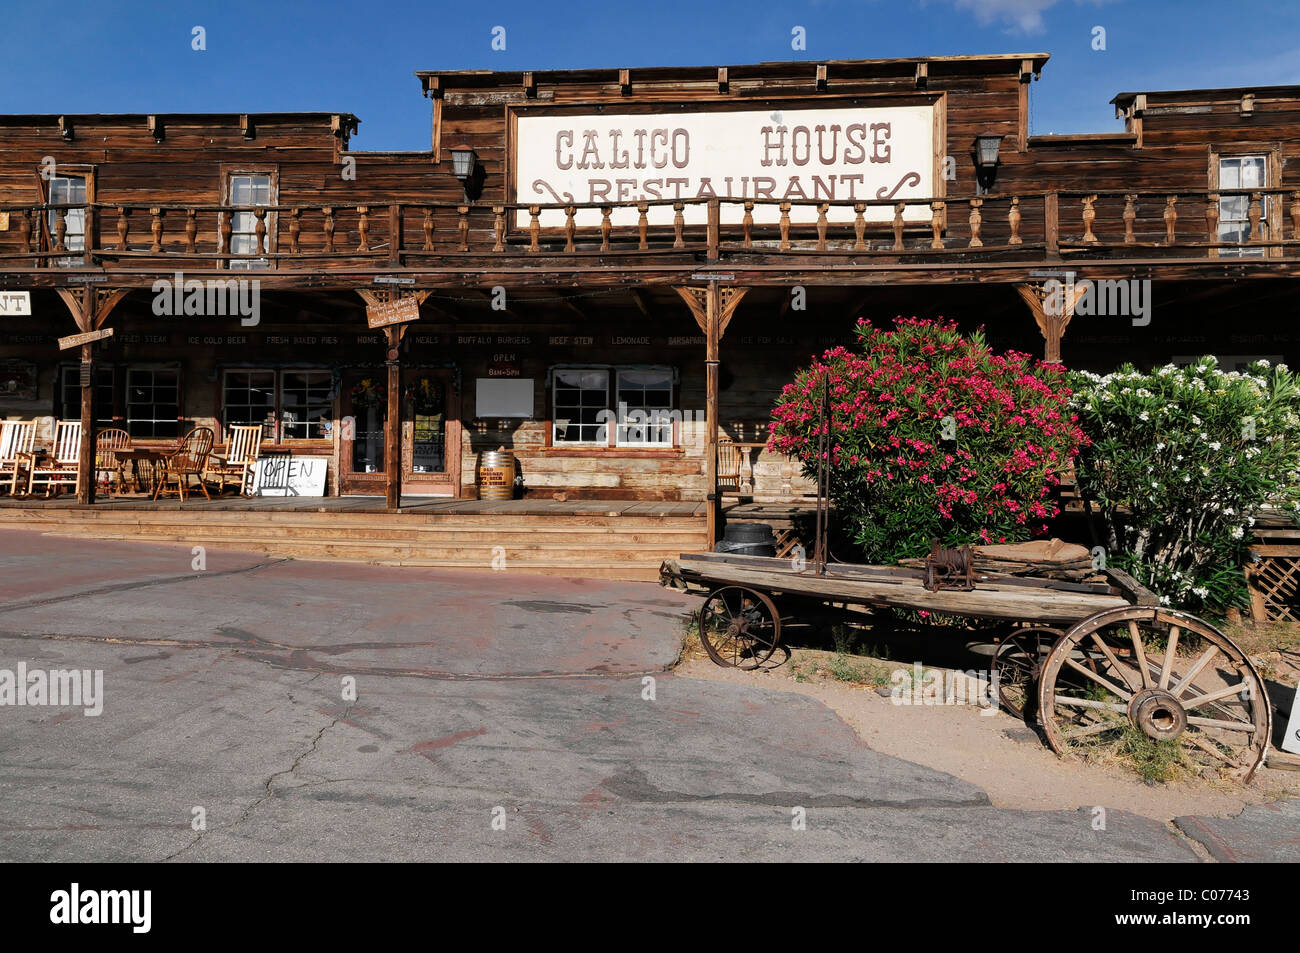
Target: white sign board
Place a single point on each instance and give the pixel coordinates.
(833, 155)
(15, 302)
(503, 397)
(1292, 740)
(283, 474)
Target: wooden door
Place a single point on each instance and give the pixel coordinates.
(430, 433)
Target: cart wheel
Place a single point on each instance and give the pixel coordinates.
(1158, 673)
(1016, 664)
(739, 627)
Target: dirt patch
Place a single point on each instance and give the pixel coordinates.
(983, 746)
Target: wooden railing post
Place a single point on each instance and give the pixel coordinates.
(714, 227)
(1130, 216)
(1052, 224)
(1171, 219)
(1089, 216)
(1013, 219)
(395, 235)
(1212, 222)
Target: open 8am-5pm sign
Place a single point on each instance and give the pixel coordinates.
(842, 154)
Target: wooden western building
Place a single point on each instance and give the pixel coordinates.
(612, 272)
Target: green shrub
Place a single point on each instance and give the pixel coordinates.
(1180, 462)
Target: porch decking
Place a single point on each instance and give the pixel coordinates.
(616, 539)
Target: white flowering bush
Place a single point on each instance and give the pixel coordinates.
(1181, 461)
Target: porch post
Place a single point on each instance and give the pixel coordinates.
(712, 307)
(1052, 319)
(393, 423)
(90, 310)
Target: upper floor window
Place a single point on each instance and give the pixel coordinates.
(68, 190)
(1242, 172)
(248, 189)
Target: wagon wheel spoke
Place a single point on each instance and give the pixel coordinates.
(739, 627)
(1179, 696)
(1015, 666)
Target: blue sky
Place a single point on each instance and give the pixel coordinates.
(358, 55)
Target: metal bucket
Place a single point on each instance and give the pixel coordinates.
(496, 475)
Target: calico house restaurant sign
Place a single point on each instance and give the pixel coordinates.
(398, 311)
(831, 155)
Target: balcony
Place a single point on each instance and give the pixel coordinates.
(999, 237)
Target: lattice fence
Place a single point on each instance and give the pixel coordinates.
(1275, 584)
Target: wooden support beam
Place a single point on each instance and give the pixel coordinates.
(821, 76)
(1052, 318)
(724, 84)
(530, 86)
(65, 128)
(639, 299)
(246, 126)
(90, 308)
(625, 82)
(156, 128)
(922, 75)
(393, 362)
(712, 308)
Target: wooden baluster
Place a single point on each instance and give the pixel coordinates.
(191, 230)
(1212, 221)
(363, 228)
(499, 227)
(1013, 219)
(1255, 214)
(604, 227)
(1171, 218)
(643, 225)
(1295, 215)
(329, 228)
(60, 229)
(259, 231)
(157, 229)
(976, 222)
(462, 227)
(123, 227)
(1130, 216)
(25, 230)
(88, 235)
(821, 226)
(1089, 216)
(898, 225)
(679, 223)
(295, 231)
(534, 228)
(859, 226)
(224, 227)
(785, 226)
(569, 227)
(936, 224)
(747, 223)
(396, 236)
(427, 227)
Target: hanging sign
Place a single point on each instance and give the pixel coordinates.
(78, 339)
(847, 154)
(400, 311)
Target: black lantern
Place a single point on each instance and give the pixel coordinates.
(464, 166)
(985, 152)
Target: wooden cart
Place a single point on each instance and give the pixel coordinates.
(1091, 662)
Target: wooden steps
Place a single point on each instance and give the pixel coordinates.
(592, 545)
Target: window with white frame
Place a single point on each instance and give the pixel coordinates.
(247, 189)
(70, 394)
(612, 406)
(153, 402)
(290, 404)
(1241, 172)
(68, 190)
(645, 400)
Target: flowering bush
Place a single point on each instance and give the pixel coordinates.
(1180, 460)
(896, 481)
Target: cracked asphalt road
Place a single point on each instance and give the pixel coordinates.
(480, 698)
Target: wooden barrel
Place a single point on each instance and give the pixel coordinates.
(496, 475)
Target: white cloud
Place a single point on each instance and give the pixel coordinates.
(1019, 16)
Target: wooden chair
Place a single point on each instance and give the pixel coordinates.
(107, 465)
(17, 437)
(189, 461)
(728, 467)
(64, 463)
(243, 448)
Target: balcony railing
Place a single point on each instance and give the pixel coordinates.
(1042, 226)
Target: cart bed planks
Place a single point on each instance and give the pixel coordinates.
(883, 586)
